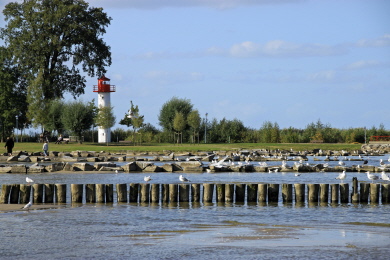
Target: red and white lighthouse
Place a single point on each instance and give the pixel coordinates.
(104, 89)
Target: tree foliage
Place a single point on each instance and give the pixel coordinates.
(169, 110)
(179, 124)
(53, 42)
(193, 121)
(78, 117)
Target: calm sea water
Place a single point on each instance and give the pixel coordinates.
(195, 231)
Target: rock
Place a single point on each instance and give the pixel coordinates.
(24, 158)
(104, 164)
(5, 169)
(83, 167)
(12, 159)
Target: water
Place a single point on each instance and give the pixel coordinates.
(195, 230)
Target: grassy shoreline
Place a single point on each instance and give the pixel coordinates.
(157, 147)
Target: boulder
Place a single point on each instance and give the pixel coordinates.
(104, 164)
(5, 169)
(83, 167)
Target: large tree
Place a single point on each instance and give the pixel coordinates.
(133, 118)
(54, 41)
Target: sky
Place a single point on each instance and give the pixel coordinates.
(290, 62)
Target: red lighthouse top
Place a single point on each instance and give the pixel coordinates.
(103, 85)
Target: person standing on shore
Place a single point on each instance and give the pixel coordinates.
(45, 148)
(9, 145)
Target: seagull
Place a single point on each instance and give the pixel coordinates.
(116, 171)
(371, 176)
(297, 174)
(27, 206)
(28, 180)
(341, 163)
(384, 176)
(182, 178)
(147, 178)
(341, 176)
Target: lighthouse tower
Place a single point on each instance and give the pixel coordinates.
(104, 90)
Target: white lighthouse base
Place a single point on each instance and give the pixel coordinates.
(104, 135)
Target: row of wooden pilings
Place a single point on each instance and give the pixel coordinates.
(185, 192)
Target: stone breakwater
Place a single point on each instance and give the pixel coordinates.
(254, 160)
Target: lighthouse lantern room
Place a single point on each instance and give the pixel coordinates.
(104, 89)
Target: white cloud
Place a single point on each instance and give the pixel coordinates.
(363, 64)
(382, 41)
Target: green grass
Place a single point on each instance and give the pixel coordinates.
(160, 147)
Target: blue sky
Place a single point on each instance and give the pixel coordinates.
(289, 61)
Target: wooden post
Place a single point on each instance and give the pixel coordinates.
(100, 193)
(312, 192)
(173, 189)
(184, 192)
(252, 192)
(344, 192)
(355, 192)
(155, 193)
(60, 193)
(165, 193)
(240, 192)
(334, 187)
(374, 193)
(364, 192)
(220, 192)
(90, 193)
(76, 191)
(195, 194)
(14, 197)
(144, 194)
(287, 192)
(49, 193)
(263, 191)
(299, 192)
(208, 190)
(273, 192)
(121, 191)
(385, 193)
(109, 193)
(5, 191)
(229, 192)
(324, 193)
(25, 193)
(133, 193)
(38, 193)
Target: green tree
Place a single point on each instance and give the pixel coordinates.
(134, 119)
(193, 121)
(54, 41)
(179, 124)
(78, 117)
(105, 118)
(169, 109)
(54, 122)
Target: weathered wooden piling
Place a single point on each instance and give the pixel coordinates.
(60, 193)
(144, 193)
(25, 193)
(355, 191)
(229, 192)
(385, 193)
(109, 193)
(14, 196)
(374, 192)
(76, 192)
(155, 193)
(90, 193)
(344, 193)
(273, 192)
(262, 192)
(287, 194)
(121, 192)
(184, 192)
(173, 189)
(38, 193)
(195, 194)
(208, 190)
(220, 192)
(5, 191)
(334, 190)
(49, 193)
(299, 192)
(364, 192)
(324, 193)
(312, 192)
(251, 192)
(165, 193)
(133, 193)
(240, 192)
(100, 193)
